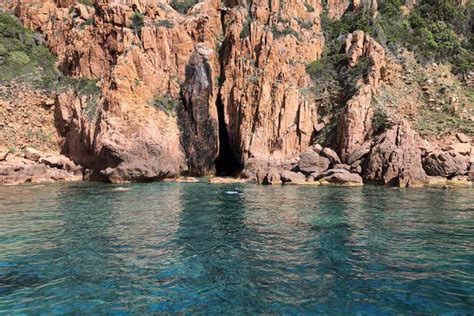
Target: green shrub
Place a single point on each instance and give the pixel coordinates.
(166, 103)
(19, 58)
(246, 29)
(359, 71)
(327, 69)
(165, 23)
(138, 21)
(434, 30)
(3, 50)
(463, 62)
(438, 40)
(285, 32)
(380, 119)
(86, 2)
(308, 7)
(22, 57)
(183, 6)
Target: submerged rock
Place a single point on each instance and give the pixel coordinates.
(182, 180)
(223, 180)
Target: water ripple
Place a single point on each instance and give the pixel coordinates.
(201, 249)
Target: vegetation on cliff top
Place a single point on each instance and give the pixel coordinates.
(22, 53)
(436, 30)
(182, 6)
(23, 56)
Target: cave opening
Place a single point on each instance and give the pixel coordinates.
(227, 163)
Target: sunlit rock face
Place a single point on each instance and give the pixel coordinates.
(218, 89)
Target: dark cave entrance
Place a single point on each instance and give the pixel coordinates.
(227, 163)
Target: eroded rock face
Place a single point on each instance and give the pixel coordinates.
(124, 135)
(119, 149)
(182, 93)
(199, 136)
(253, 69)
(395, 159)
(337, 8)
(355, 124)
(446, 164)
(265, 52)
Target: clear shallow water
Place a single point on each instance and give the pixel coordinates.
(222, 249)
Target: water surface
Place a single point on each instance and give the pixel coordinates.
(235, 249)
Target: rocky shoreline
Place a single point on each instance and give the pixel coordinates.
(452, 167)
(36, 167)
(229, 90)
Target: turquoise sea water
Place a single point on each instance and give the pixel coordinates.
(235, 249)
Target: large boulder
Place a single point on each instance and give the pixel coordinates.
(461, 148)
(32, 154)
(273, 177)
(340, 176)
(446, 164)
(3, 154)
(261, 177)
(61, 162)
(311, 162)
(331, 155)
(269, 177)
(463, 138)
(395, 159)
(290, 177)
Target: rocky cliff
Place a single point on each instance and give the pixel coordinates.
(235, 87)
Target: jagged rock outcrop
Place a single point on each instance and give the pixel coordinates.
(256, 81)
(117, 148)
(395, 159)
(337, 8)
(220, 89)
(355, 124)
(200, 137)
(265, 52)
